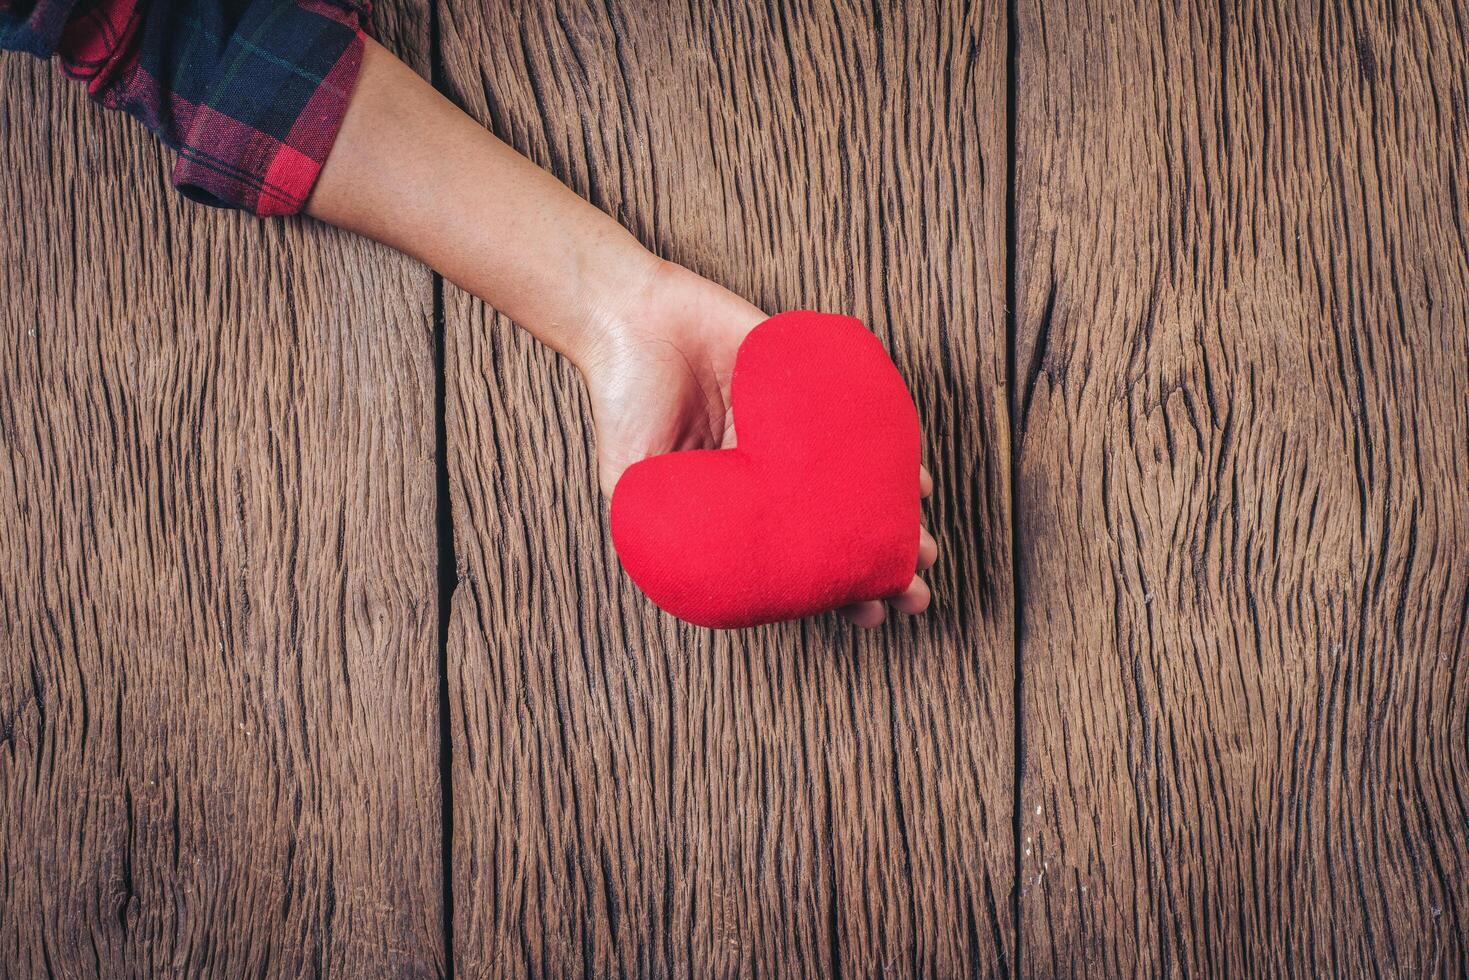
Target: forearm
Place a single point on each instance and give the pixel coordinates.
(411, 170)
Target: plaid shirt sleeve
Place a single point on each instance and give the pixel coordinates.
(250, 93)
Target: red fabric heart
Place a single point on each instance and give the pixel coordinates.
(816, 507)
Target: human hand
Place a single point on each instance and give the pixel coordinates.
(655, 342)
(658, 368)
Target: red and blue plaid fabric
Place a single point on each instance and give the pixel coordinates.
(250, 93)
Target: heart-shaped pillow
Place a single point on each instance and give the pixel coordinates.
(816, 507)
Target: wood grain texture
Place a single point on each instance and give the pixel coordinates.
(633, 797)
(218, 741)
(1243, 491)
(1241, 424)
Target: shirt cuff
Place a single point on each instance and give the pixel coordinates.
(258, 136)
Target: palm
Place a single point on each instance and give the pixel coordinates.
(660, 383)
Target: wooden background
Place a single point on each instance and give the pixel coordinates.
(317, 658)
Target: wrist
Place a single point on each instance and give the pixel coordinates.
(611, 287)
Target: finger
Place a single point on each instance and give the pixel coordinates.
(865, 614)
(914, 599)
(925, 481)
(928, 549)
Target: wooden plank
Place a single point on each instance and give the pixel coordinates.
(1243, 352)
(218, 687)
(636, 797)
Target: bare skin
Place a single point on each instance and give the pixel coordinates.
(654, 342)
